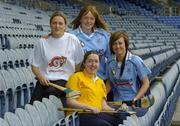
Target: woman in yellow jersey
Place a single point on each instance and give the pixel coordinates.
(93, 94)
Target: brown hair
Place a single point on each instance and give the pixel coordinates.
(57, 13)
(99, 21)
(114, 37)
(86, 56)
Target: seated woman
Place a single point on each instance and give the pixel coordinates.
(126, 72)
(93, 94)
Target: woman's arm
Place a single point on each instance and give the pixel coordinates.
(75, 104)
(143, 89)
(39, 76)
(108, 86)
(105, 106)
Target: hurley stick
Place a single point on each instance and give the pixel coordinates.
(89, 111)
(69, 93)
(144, 102)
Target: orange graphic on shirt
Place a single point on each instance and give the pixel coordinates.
(57, 61)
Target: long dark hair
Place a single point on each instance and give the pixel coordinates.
(86, 56)
(115, 36)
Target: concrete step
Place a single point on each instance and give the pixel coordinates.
(176, 116)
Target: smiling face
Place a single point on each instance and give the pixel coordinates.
(91, 64)
(58, 26)
(87, 22)
(119, 48)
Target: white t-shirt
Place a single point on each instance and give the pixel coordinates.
(56, 57)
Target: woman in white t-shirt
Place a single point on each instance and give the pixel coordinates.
(55, 58)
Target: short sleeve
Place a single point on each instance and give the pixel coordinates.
(142, 69)
(73, 82)
(35, 58)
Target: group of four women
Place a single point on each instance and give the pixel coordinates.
(85, 59)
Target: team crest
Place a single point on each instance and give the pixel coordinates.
(82, 44)
(113, 72)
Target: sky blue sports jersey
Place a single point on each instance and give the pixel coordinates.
(99, 41)
(126, 86)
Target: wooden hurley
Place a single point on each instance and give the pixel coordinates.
(144, 102)
(89, 111)
(69, 93)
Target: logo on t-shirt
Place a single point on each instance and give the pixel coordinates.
(57, 61)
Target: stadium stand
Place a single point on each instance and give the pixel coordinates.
(155, 38)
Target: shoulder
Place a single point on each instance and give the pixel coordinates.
(102, 32)
(40, 42)
(74, 31)
(111, 59)
(135, 59)
(72, 36)
(75, 76)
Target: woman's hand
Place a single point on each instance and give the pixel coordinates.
(43, 81)
(94, 110)
(123, 107)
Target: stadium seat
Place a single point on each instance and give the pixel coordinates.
(58, 104)
(35, 117)
(42, 110)
(170, 77)
(52, 111)
(3, 122)
(60, 122)
(9, 90)
(12, 119)
(2, 96)
(17, 89)
(75, 119)
(24, 117)
(69, 120)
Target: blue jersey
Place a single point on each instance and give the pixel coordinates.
(126, 86)
(99, 41)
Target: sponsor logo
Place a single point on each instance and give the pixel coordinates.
(57, 61)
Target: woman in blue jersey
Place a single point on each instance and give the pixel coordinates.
(126, 72)
(90, 28)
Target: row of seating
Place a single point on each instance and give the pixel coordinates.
(43, 113)
(14, 58)
(16, 87)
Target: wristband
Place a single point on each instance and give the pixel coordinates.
(135, 99)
